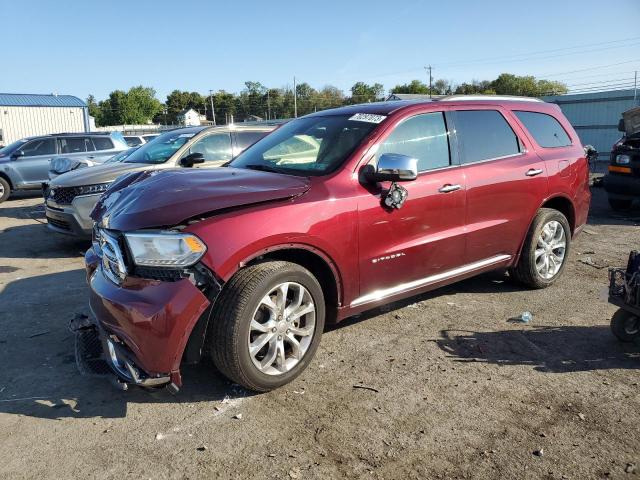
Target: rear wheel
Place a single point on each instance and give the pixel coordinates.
(545, 250)
(625, 325)
(620, 204)
(267, 324)
(5, 189)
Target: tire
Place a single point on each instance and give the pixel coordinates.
(625, 326)
(5, 189)
(526, 271)
(620, 204)
(232, 325)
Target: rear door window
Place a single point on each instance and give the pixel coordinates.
(545, 129)
(423, 137)
(484, 135)
(73, 145)
(102, 143)
(44, 146)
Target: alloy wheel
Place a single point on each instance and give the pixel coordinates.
(282, 328)
(550, 250)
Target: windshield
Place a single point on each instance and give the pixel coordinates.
(160, 149)
(307, 146)
(9, 149)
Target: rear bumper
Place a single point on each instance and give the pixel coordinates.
(145, 324)
(72, 219)
(624, 186)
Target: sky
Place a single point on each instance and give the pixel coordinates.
(88, 47)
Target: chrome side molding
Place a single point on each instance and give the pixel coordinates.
(423, 282)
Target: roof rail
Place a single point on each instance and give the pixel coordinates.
(511, 98)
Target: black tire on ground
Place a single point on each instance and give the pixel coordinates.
(5, 189)
(620, 204)
(525, 271)
(625, 326)
(229, 329)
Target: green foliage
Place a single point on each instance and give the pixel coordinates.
(362, 92)
(139, 105)
(178, 101)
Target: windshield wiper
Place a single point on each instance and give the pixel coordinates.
(263, 168)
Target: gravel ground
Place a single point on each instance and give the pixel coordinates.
(456, 388)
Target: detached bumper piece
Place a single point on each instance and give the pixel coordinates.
(126, 370)
(99, 354)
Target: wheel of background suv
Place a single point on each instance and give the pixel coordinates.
(625, 325)
(5, 189)
(545, 249)
(620, 203)
(267, 325)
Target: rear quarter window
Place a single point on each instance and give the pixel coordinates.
(545, 129)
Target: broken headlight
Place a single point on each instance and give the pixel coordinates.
(165, 249)
(623, 159)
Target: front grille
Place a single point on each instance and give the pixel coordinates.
(61, 224)
(63, 195)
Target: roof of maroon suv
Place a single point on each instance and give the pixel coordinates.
(388, 107)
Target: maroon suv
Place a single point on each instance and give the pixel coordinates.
(332, 214)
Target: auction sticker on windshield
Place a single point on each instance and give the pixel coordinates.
(367, 117)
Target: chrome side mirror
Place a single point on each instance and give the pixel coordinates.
(394, 167)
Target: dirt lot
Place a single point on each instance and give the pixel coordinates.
(458, 390)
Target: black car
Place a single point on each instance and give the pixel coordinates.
(622, 182)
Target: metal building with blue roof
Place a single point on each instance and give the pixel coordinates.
(26, 115)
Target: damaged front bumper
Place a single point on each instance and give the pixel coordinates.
(146, 325)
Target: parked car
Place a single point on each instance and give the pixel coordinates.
(135, 140)
(70, 197)
(149, 137)
(330, 215)
(622, 181)
(24, 165)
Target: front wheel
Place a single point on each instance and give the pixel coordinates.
(625, 325)
(545, 250)
(266, 325)
(5, 189)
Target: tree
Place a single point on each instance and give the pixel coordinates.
(178, 101)
(415, 86)
(94, 110)
(362, 92)
(138, 105)
(528, 86)
(475, 87)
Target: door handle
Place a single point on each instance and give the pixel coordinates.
(448, 188)
(91, 157)
(532, 172)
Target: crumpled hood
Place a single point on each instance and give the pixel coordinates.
(162, 198)
(632, 121)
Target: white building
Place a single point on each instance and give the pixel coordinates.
(26, 115)
(190, 118)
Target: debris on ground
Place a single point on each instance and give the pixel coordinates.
(294, 472)
(591, 263)
(630, 468)
(364, 387)
(539, 452)
(237, 416)
(581, 416)
(202, 448)
(39, 334)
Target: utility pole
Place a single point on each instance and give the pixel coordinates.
(268, 106)
(213, 110)
(430, 78)
(295, 99)
(635, 86)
